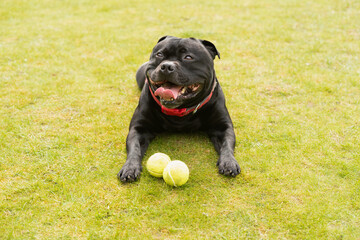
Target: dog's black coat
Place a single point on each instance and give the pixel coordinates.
(180, 62)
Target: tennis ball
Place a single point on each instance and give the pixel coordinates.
(156, 164)
(176, 173)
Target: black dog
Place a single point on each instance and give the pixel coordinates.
(180, 92)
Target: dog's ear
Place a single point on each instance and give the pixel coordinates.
(211, 48)
(162, 38)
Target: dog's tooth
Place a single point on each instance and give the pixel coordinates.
(183, 90)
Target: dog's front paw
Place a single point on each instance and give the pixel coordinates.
(228, 166)
(129, 173)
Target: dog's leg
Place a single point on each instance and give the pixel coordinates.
(137, 142)
(224, 142)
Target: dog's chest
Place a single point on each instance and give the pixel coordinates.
(181, 124)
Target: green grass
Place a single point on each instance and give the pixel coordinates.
(289, 69)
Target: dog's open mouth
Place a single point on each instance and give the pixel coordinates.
(170, 92)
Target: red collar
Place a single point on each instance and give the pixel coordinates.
(180, 112)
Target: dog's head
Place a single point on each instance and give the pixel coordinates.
(181, 70)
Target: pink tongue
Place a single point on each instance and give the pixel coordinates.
(168, 92)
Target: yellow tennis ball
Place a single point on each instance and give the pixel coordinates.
(176, 173)
(156, 164)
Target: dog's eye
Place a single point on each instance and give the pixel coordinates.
(159, 54)
(188, 57)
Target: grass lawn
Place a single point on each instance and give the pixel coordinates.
(290, 71)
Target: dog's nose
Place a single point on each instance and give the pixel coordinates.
(167, 67)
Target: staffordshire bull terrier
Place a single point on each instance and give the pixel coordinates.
(180, 92)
